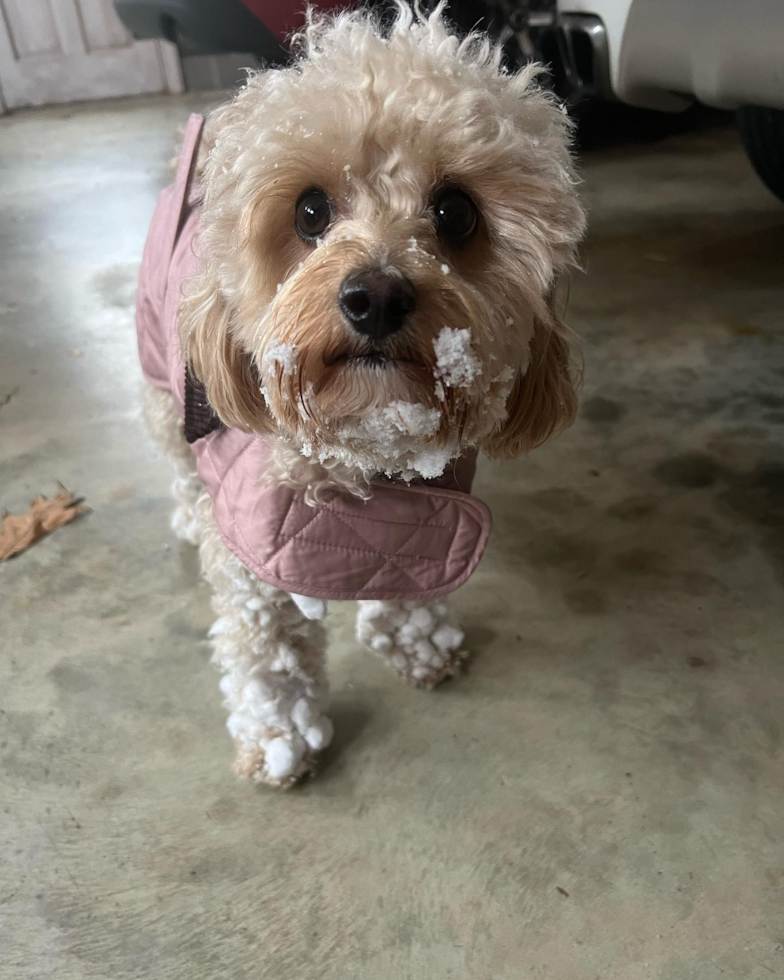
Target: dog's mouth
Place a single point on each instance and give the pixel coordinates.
(375, 359)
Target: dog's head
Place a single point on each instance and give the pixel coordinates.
(383, 227)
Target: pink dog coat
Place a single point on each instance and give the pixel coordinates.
(405, 542)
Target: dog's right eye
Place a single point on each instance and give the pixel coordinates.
(456, 215)
(313, 215)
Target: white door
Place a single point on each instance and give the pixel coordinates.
(67, 50)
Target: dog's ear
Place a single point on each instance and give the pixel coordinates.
(544, 398)
(218, 361)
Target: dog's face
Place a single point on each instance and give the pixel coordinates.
(382, 230)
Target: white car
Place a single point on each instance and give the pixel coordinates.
(665, 54)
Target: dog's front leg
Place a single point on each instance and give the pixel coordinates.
(419, 640)
(274, 682)
(270, 649)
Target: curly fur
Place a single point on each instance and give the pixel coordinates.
(379, 120)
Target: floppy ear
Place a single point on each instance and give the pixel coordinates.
(227, 371)
(544, 399)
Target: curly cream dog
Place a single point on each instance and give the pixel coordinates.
(380, 230)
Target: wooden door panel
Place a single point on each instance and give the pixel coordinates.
(70, 50)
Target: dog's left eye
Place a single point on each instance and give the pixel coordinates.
(313, 215)
(456, 215)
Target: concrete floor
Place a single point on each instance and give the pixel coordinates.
(599, 796)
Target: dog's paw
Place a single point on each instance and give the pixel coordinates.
(282, 762)
(421, 642)
(280, 758)
(429, 676)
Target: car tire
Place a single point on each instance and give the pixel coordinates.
(762, 132)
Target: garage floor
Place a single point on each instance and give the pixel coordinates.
(599, 796)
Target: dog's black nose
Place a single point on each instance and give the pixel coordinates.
(377, 303)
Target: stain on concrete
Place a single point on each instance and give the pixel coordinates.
(557, 500)
(739, 327)
(120, 493)
(554, 549)
(70, 678)
(701, 585)
(634, 508)
(178, 741)
(181, 626)
(641, 561)
(768, 399)
(759, 497)
(113, 611)
(602, 410)
(586, 601)
(73, 584)
(701, 256)
(111, 791)
(6, 397)
(224, 809)
(690, 471)
(116, 285)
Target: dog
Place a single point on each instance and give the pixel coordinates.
(359, 262)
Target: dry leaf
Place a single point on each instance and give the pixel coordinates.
(19, 531)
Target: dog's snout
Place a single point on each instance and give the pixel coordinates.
(377, 303)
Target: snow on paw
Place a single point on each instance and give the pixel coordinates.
(431, 675)
(447, 637)
(314, 727)
(319, 735)
(381, 643)
(280, 762)
(420, 641)
(284, 755)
